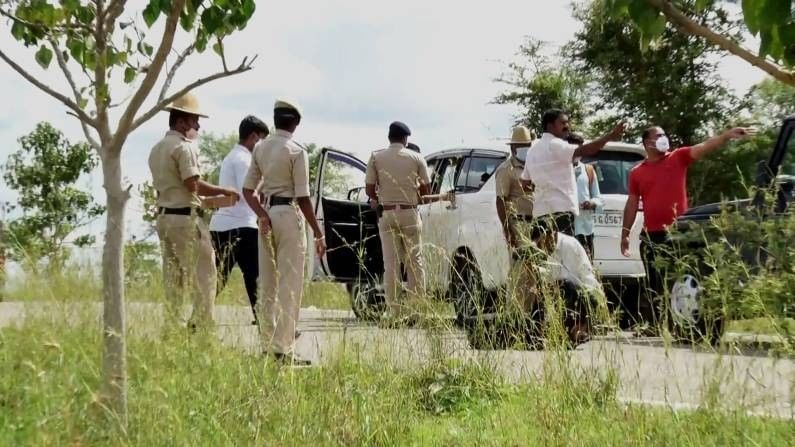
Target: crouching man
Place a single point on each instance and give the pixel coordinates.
(564, 265)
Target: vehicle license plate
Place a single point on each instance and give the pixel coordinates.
(608, 219)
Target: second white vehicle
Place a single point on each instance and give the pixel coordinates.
(463, 245)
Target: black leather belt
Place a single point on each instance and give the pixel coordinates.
(275, 201)
(186, 211)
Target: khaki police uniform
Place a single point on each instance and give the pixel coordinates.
(398, 172)
(187, 252)
(280, 170)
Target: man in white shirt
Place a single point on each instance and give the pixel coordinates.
(567, 267)
(234, 229)
(548, 170)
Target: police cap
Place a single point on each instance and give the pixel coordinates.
(398, 130)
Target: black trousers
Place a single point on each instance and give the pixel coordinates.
(587, 243)
(560, 222)
(656, 251)
(238, 247)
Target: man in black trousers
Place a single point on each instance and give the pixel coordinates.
(234, 228)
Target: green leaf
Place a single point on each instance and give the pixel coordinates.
(218, 48)
(702, 4)
(129, 74)
(44, 56)
(212, 19)
(70, 5)
(201, 41)
(776, 12)
(151, 12)
(751, 14)
(82, 102)
(165, 6)
(18, 30)
(148, 49)
(187, 20)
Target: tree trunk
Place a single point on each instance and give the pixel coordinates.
(114, 353)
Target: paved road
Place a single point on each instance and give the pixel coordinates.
(648, 371)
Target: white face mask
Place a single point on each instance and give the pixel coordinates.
(521, 154)
(663, 144)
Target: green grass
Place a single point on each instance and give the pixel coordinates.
(82, 283)
(193, 391)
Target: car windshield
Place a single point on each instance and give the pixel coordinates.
(612, 170)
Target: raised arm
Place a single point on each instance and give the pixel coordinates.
(709, 146)
(593, 148)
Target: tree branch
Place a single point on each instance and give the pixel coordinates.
(48, 90)
(688, 26)
(244, 66)
(173, 71)
(166, 43)
(75, 91)
(101, 89)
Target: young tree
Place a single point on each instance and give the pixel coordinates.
(97, 45)
(537, 83)
(773, 21)
(44, 172)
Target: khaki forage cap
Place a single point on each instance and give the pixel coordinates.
(187, 103)
(287, 104)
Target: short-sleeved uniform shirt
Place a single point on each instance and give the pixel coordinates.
(279, 167)
(549, 167)
(172, 161)
(397, 172)
(662, 186)
(509, 187)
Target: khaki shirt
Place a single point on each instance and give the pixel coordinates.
(279, 167)
(509, 187)
(397, 172)
(172, 161)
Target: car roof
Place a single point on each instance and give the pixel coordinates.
(613, 146)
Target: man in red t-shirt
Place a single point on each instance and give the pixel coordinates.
(661, 183)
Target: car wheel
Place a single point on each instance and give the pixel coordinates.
(690, 321)
(367, 300)
(476, 309)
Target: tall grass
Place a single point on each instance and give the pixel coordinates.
(192, 390)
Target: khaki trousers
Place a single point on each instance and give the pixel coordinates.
(188, 265)
(400, 232)
(523, 276)
(281, 274)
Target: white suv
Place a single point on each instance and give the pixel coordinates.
(461, 243)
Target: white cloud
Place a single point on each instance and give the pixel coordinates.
(355, 65)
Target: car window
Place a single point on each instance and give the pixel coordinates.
(445, 175)
(342, 180)
(475, 172)
(612, 170)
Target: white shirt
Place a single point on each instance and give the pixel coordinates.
(548, 166)
(569, 262)
(233, 172)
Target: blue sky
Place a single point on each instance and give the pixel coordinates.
(354, 65)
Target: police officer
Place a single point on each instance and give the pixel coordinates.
(188, 256)
(515, 210)
(397, 180)
(280, 170)
(514, 203)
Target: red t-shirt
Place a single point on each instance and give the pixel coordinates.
(662, 186)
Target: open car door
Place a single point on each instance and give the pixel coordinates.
(353, 252)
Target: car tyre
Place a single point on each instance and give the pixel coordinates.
(688, 319)
(367, 300)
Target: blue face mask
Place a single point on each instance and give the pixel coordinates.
(521, 154)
